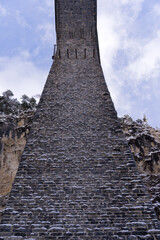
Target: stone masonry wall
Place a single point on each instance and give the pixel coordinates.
(143, 139)
(13, 134)
(77, 178)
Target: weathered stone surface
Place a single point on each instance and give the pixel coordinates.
(13, 132)
(77, 178)
(144, 142)
(135, 131)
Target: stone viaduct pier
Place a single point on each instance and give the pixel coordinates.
(77, 178)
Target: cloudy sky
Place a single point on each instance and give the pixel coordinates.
(129, 38)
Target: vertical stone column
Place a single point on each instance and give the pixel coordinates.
(77, 178)
(76, 29)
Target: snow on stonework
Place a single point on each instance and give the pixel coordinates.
(77, 178)
(152, 180)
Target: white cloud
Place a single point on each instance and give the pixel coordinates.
(117, 24)
(47, 7)
(49, 3)
(21, 75)
(47, 28)
(3, 11)
(47, 33)
(156, 9)
(21, 20)
(114, 23)
(147, 64)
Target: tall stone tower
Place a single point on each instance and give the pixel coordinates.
(77, 178)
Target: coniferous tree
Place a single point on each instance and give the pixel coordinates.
(10, 105)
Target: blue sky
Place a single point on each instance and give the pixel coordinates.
(129, 39)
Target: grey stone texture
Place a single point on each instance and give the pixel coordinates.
(77, 178)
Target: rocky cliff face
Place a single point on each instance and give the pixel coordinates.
(13, 134)
(144, 142)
